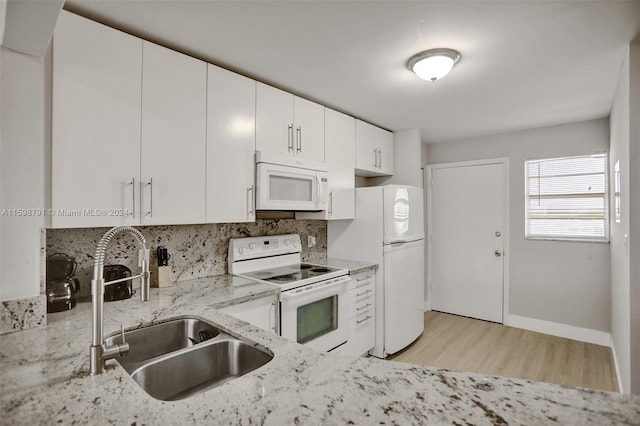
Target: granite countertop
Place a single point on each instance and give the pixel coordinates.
(354, 266)
(44, 378)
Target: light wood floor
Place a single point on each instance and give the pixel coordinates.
(460, 343)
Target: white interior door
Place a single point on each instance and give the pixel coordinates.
(467, 231)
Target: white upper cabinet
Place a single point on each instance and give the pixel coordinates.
(289, 125)
(95, 124)
(309, 129)
(374, 150)
(340, 145)
(231, 109)
(174, 103)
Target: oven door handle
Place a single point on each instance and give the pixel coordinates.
(329, 289)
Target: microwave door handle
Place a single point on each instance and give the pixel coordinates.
(317, 190)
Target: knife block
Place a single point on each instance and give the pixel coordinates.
(161, 276)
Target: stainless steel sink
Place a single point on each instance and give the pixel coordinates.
(180, 358)
(149, 342)
(181, 375)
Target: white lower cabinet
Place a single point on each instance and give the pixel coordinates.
(260, 312)
(362, 318)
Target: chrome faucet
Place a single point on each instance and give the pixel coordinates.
(99, 352)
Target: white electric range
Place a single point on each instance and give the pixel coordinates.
(313, 301)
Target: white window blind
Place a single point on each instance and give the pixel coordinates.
(567, 198)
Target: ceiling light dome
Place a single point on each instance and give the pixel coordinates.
(433, 64)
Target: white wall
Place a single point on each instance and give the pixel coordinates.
(625, 236)
(406, 160)
(561, 282)
(22, 171)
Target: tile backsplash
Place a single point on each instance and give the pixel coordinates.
(196, 250)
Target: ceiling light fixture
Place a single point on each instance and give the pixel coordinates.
(433, 64)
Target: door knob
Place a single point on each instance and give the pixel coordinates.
(498, 253)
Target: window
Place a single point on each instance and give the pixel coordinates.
(567, 198)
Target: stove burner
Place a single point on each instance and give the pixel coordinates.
(305, 266)
(320, 270)
(284, 278)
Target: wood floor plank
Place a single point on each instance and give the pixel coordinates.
(460, 343)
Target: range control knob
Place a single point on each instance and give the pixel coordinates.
(287, 242)
(295, 244)
(252, 246)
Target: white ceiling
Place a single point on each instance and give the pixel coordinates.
(524, 64)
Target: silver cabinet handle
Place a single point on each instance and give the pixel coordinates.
(133, 195)
(250, 201)
(368, 317)
(368, 277)
(380, 156)
(331, 202)
(363, 307)
(290, 137)
(498, 253)
(299, 139)
(150, 185)
(375, 158)
(363, 293)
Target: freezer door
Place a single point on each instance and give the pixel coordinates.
(403, 214)
(403, 294)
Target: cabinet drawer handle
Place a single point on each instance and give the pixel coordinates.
(363, 307)
(368, 317)
(290, 137)
(133, 195)
(330, 203)
(365, 278)
(363, 293)
(250, 201)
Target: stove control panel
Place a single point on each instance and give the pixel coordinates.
(257, 247)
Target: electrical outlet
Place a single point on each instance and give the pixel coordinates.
(311, 241)
(142, 254)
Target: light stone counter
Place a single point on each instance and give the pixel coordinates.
(44, 379)
(354, 266)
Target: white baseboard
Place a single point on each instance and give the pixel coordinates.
(561, 330)
(617, 367)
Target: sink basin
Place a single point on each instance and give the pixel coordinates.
(183, 357)
(181, 375)
(149, 342)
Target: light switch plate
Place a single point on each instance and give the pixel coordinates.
(311, 241)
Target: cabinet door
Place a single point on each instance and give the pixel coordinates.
(274, 120)
(95, 158)
(231, 106)
(385, 159)
(309, 130)
(340, 146)
(261, 312)
(366, 149)
(374, 150)
(174, 88)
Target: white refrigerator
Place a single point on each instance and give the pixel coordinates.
(388, 229)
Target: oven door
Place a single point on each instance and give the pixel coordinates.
(316, 315)
(288, 188)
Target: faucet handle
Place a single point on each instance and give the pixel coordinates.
(122, 334)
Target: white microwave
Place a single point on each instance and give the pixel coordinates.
(284, 183)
